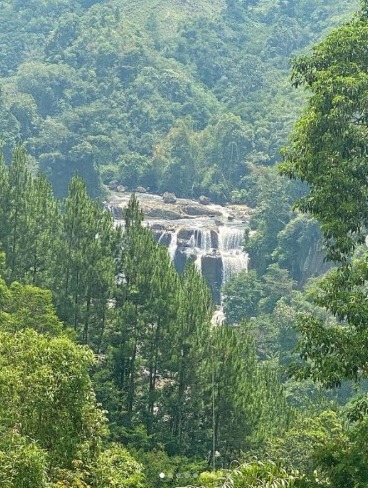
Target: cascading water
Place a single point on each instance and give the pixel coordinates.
(211, 236)
(173, 245)
(198, 263)
(203, 240)
(234, 259)
(162, 238)
(202, 246)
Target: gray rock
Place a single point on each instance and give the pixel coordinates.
(185, 234)
(162, 237)
(165, 239)
(204, 200)
(141, 189)
(212, 270)
(180, 260)
(214, 239)
(169, 197)
(117, 212)
(198, 210)
(157, 234)
(113, 184)
(162, 213)
(121, 188)
(157, 227)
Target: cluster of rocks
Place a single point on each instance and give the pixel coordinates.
(169, 207)
(114, 185)
(192, 230)
(167, 197)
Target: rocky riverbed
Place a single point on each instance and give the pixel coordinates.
(211, 235)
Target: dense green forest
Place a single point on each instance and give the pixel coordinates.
(155, 93)
(111, 371)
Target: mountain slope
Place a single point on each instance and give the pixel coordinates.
(177, 96)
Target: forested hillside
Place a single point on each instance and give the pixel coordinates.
(155, 93)
(169, 382)
(112, 371)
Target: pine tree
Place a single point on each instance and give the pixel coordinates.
(14, 209)
(39, 234)
(84, 271)
(193, 325)
(4, 194)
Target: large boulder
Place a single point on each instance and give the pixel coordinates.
(169, 197)
(162, 237)
(182, 256)
(185, 234)
(161, 213)
(180, 260)
(212, 271)
(204, 200)
(113, 184)
(156, 234)
(141, 189)
(165, 238)
(214, 239)
(117, 212)
(198, 210)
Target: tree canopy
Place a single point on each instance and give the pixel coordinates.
(328, 151)
(127, 92)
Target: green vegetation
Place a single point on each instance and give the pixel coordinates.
(169, 381)
(53, 432)
(150, 93)
(110, 369)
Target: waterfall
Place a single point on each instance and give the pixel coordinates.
(203, 240)
(199, 244)
(210, 236)
(218, 317)
(161, 238)
(234, 259)
(173, 245)
(198, 263)
(230, 238)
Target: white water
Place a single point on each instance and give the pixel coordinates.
(201, 246)
(217, 234)
(161, 238)
(218, 317)
(234, 259)
(203, 240)
(198, 263)
(173, 245)
(230, 240)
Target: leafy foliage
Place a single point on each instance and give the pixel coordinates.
(327, 151)
(159, 364)
(262, 474)
(94, 86)
(198, 108)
